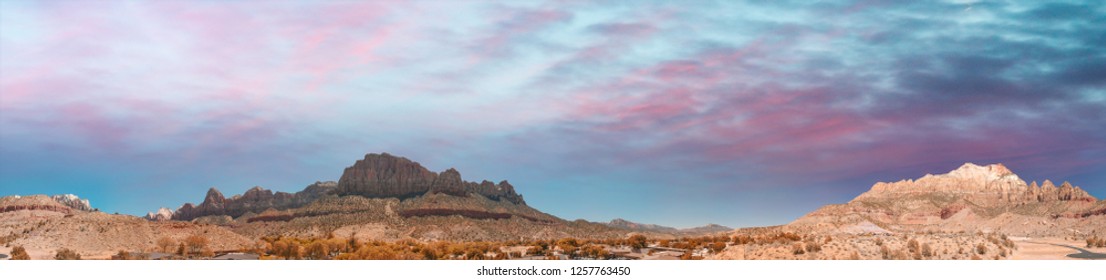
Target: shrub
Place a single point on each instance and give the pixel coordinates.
(196, 245)
(981, 249)
(636, 241)
(66, 254)
(717, 247)
(166, 244)
(535, 251)
(854, 256)
(318, 251)
(901, 254)
(124, 255)
(20, 253)
(813, 247)
(912, 245)
(291, 250)
(797, 248)
(927, 251)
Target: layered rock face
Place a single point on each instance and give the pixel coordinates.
(254, 200)
(384, 175)
(73, 202)
(971, 197)
(985, 185)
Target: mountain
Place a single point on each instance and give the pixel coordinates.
(254, 200)
(628, 225)
(632, 226)
(706, 229)
(386, 197)
(969, 198)
(384, 175)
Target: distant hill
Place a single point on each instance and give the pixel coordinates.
(632, 226)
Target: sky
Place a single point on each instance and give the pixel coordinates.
(680, 113)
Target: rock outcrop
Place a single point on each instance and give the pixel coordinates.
(970, 198)
(384, 175)
(255, 200)
(35, 203)
(65, 203)
(73, 201)
(162, 214)
(985, 185)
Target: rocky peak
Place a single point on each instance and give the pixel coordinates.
(257, 193)
(984, 173)
(384, 175)
(214, 197)
(1047, 185)
(73, 201)
(162, 214)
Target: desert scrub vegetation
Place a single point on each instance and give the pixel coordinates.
(196, 245)
(351, 248)
(927, 251)
(912, 246)
(797, 249)
(166, 244)
(124, 255)
(66, 254)
(20, 253)
(1096, 242)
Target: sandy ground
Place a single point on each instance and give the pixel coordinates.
(1049, 249)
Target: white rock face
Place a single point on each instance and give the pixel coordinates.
(985, 185)
(73, 201)
(163, 214)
